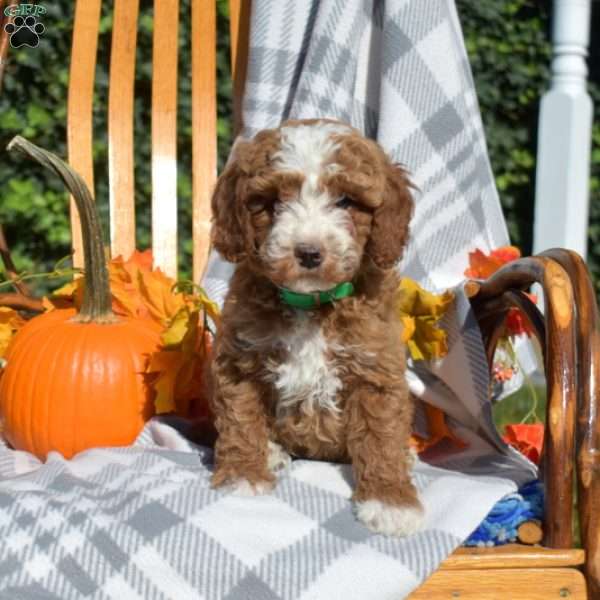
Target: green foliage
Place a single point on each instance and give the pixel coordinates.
(594, 228)
(514, 408)
(507, 41)
(509, 52)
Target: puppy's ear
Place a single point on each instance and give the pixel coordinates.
(389, 232)
(227, 234)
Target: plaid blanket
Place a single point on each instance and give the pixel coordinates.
(142, 522)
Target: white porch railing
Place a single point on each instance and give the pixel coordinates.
(564, 139)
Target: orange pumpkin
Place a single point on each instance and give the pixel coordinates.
(76, 380)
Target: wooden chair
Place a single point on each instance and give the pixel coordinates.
(568, 334)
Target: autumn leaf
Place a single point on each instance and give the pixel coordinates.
(166, 365)
(438, 431)
(179, 367)
(144, 259)
(10, 323)
(156, 289)
(420, 312)
(126, 299)
(210, 307)
(481, 265)
(506, 254)
(138, 290)
(69, 295)
(177, 329)
(528, 439)
(141, 291)
(145, 292)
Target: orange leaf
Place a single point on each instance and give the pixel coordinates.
(142, 292)
(438, 431)
(506, 254)
(481, 265)
(157, 294)
(127, 300)
(528, 439)
(144, 260)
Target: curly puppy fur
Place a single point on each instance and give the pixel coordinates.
(328, 383)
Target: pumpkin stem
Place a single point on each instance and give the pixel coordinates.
(97, 304)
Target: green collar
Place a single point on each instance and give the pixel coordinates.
(315, 299)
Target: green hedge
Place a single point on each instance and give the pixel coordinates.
(509, 51)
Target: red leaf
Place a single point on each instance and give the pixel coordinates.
(481, 265)
(528, 439)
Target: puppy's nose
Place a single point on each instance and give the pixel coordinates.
(308, 256)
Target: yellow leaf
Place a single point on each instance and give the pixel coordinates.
(6, 333)
(408, 329)
(179, 368)
(210, 307)
(10, 322)
(47, 304)
(70, 294)
(177, 329)
(420, 311)
(68, 290)
(428, 341)
(415, 301)
(166, 364)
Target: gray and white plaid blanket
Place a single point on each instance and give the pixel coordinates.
(142, 522)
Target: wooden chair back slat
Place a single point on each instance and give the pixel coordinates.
(121, 156)
(120, 128)
(164, 135)
(239, 32)
(204, 126)
(79, 105)
(4, 39)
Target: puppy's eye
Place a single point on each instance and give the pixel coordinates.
(345, 202)
(258, 204)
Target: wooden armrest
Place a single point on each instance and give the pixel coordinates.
(491, 299)
(571, 346)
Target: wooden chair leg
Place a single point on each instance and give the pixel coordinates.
(588, 425)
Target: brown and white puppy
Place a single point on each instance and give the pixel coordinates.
(305, 207)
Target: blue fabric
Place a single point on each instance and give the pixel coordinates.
(501, 524)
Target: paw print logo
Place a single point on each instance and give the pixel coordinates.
(24, 31)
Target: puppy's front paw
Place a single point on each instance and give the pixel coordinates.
(279, 459)
(385, 518)
(242, 487)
